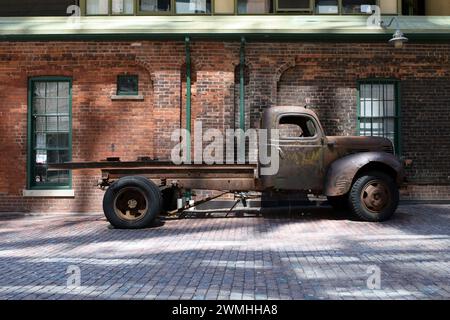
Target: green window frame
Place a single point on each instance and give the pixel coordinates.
(49, 132)
(83, 6)
(127, 85)
(378, 109)
(275, 9)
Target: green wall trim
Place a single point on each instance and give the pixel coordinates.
(188, 98)
(242, 96)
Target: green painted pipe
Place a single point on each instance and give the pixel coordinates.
(188, 99)
(242, 96)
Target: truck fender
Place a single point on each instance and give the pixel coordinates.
(342, 172)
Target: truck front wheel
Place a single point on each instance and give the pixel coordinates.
(374, 197)
(132, 203)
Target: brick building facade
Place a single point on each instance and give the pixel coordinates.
(323, 74)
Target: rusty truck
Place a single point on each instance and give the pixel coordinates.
(357, 173)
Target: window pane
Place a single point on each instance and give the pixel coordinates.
(327, 6)
(255, 6)
(51, 105)
(97, 6)
(57, 140)
(296, 127)
(63, 124)
(58, 176)
(41, 140)
(127, 85)
(52, 89)
(390, 108)
(39, 106)
(41, 157)
(154, 5)
(40, 124)
(355, 6)
(63, 89)
(63, 105)
(122, 6)
(63, 140)
(39, 89)
(193, 6)
(52, 123)
(224, 6)
(293, 5)
(290, 131)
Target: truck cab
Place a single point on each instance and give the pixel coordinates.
(357, 172)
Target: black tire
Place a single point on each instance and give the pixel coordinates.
(374, 197)
(132, 203)
(339, 203)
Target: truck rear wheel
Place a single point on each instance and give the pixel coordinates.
(132, 203)
(374, 197)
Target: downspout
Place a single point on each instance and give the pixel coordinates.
(188, 99)
(242, 86)
(242, 98)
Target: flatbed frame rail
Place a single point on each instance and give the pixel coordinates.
(232, 177)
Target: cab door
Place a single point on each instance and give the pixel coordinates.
(300, 147)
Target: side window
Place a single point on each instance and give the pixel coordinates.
(292, 127)
(378, 110)
(49, 132)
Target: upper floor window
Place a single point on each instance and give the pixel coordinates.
(193, 6)
(153, 7)
(293, 5)
(106, 7)
(97, 7)
(122, 7)
(327, 6)
(254, 6)
(149, 6)
(356, 6)
(224, 7)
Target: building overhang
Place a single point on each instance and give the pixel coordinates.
(291, 27)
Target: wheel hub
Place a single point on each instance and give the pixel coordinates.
(375, 196)
(130, 204)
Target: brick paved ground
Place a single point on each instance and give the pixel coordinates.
(312, 256)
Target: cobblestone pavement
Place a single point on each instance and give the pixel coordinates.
(312, 255)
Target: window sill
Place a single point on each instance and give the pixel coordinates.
(138, 97)
(70, 193)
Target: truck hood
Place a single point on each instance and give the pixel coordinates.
(348, 145)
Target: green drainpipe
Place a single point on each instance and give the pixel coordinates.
(188, 99)
(242, 95)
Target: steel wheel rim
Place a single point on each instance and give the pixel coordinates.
(375, 196)
(131, 204)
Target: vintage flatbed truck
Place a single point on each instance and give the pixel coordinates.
(361, 174)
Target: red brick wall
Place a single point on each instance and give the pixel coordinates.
(279, 73)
